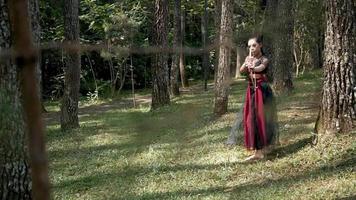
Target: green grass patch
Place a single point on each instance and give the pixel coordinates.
(178, 152)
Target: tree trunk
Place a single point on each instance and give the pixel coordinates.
(217, 36)
(160, 90)
(26, 59)
(268, 35)
(15, 181)
(338, 105)
(204, 28)
(223, 75)
(132, 82)
(177, 42)
(283, 48)
(69, 107)
(239, 61)
(183, 77)
(320, 48)
(36, 36)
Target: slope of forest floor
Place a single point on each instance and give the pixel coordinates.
(178, 152)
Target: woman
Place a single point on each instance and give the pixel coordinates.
(259, 109)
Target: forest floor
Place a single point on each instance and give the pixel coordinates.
(178, 152)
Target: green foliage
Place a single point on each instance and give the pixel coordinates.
(309, 28)
(52, 22)
(108, 22)
(57, 86)
(249, 19)
(129, 23)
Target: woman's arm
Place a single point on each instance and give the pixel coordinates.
(260, 67)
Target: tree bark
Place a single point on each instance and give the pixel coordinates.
(338, 105)
(239, 61)
(319, 48)
(160, 89)
(26, 58)
(69, 107)
(268, 35)
(283, 48)
(36, 36)
(217, 36)
(223, 75)
(177, 42)
(15, 181)
(205, 55)
(183, 77)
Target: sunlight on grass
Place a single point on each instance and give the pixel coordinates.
(178, 152)
(52, 106)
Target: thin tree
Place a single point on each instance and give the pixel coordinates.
(217, 22)
(269, 31)
(223, 74)
(69, 107)
(177, 42)
(34, 12)
(132, 82)
(183, 77)
(160, 89)
(239, 57)
(338, 110)
(283, 47)
(204, 30)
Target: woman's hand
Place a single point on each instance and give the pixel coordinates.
(251, 63)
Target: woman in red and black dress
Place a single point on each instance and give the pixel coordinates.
(259, 110)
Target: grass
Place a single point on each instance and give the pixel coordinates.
(178, 152)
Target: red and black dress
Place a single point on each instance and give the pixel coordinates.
(259, 113)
